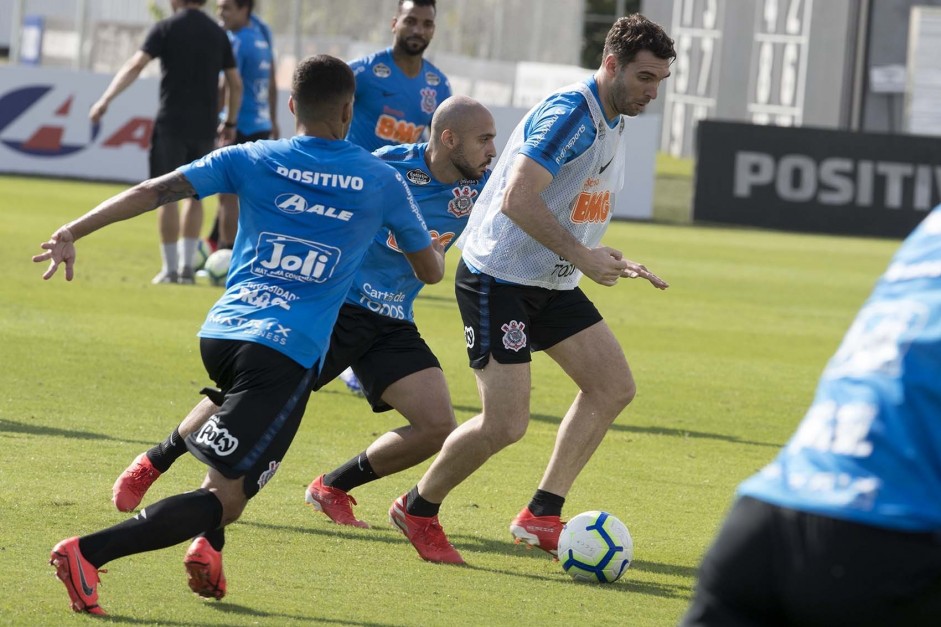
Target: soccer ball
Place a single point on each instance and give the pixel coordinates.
(595, 546)
(203, 250)
(217, 266)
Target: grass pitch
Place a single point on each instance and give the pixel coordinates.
(95, 371)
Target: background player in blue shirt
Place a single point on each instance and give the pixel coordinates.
(844, 526)
(397, 90)
(253, 48)
(311, 206)
(375, 333)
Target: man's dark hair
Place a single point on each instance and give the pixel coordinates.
(634, 33)
(243, 3)
(321, 82)
(418, 3)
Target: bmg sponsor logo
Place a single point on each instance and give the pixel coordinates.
(217, 438)
(293, 259)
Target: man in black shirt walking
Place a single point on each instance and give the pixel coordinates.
(192, 49)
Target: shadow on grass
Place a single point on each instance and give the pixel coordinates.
(474, 543)
(11, 426)
(244, 611)
(677, 433)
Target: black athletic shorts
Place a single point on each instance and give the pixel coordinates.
(380, 349)
(266, 393)
(776, 566)
(168, 152)
(509, 321)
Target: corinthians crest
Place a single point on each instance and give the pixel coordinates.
(460, 206)
(513, 336)
(429, 100)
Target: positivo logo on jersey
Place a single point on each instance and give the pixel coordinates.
(284, 257)
(217, 438)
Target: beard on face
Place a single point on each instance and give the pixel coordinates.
(414, 46)
(459, 160)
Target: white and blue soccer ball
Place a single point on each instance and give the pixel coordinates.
(203, 250)
(217, 266)
(596, 547)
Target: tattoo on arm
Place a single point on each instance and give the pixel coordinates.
(172, 187)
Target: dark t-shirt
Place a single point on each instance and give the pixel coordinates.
(192, 50)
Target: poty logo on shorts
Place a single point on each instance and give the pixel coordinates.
(268, 475)
(514, 337)
(469, 336)
(217, 438)
(45, 121)
(294, 259)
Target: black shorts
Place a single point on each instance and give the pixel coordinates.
(380, 349)
(266, 393)
(776, 566)
(509, 321)
(241, 138)
(168, 152)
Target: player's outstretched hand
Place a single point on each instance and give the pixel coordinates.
(603, 265)
(59, 249)
(636, 270)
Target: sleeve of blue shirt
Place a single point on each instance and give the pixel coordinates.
(215, 173)
(558, 131)
(403, 217)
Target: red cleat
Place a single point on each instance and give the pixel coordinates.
(541, 531)
(425, 534)
(336, 504)
(133, 483)
(79, 576)
(204, 569)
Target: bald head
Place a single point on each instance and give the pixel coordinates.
(462, 132)
(459, 113)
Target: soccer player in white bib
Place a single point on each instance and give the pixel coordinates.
(844, 526)
(535, 230)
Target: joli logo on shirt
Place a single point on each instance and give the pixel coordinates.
(294, 259)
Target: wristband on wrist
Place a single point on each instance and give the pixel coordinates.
(228, 124)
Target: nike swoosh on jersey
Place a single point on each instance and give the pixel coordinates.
(88, 590)
(605, 166)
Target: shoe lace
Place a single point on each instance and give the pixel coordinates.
(432, 534)
(141, 474)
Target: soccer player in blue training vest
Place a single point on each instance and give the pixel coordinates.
(844, 526)
(375, 333)
(253, 48)
(535, 229)
(311, 208)
(397, 90)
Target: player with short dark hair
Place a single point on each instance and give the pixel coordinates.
(536, 229)
(193, 50)
(375, 333)
(844, 526)
(265, 339)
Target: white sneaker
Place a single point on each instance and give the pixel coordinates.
(352, 383)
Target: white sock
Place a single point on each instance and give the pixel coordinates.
(171, 258)
(187, 251)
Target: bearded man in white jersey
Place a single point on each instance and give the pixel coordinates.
(535, 229)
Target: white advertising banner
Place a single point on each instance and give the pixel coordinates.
(45, 130)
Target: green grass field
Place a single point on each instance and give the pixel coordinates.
(97, 370)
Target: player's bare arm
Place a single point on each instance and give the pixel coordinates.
(143, 197)
(428, 263)
(523, 204)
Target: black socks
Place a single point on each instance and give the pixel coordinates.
(164, 454)
(355, 472)
(417, 506)
(546, 504)
(165, 523)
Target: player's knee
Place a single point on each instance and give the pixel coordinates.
(507, 432)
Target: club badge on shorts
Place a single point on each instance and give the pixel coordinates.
(513, 336)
